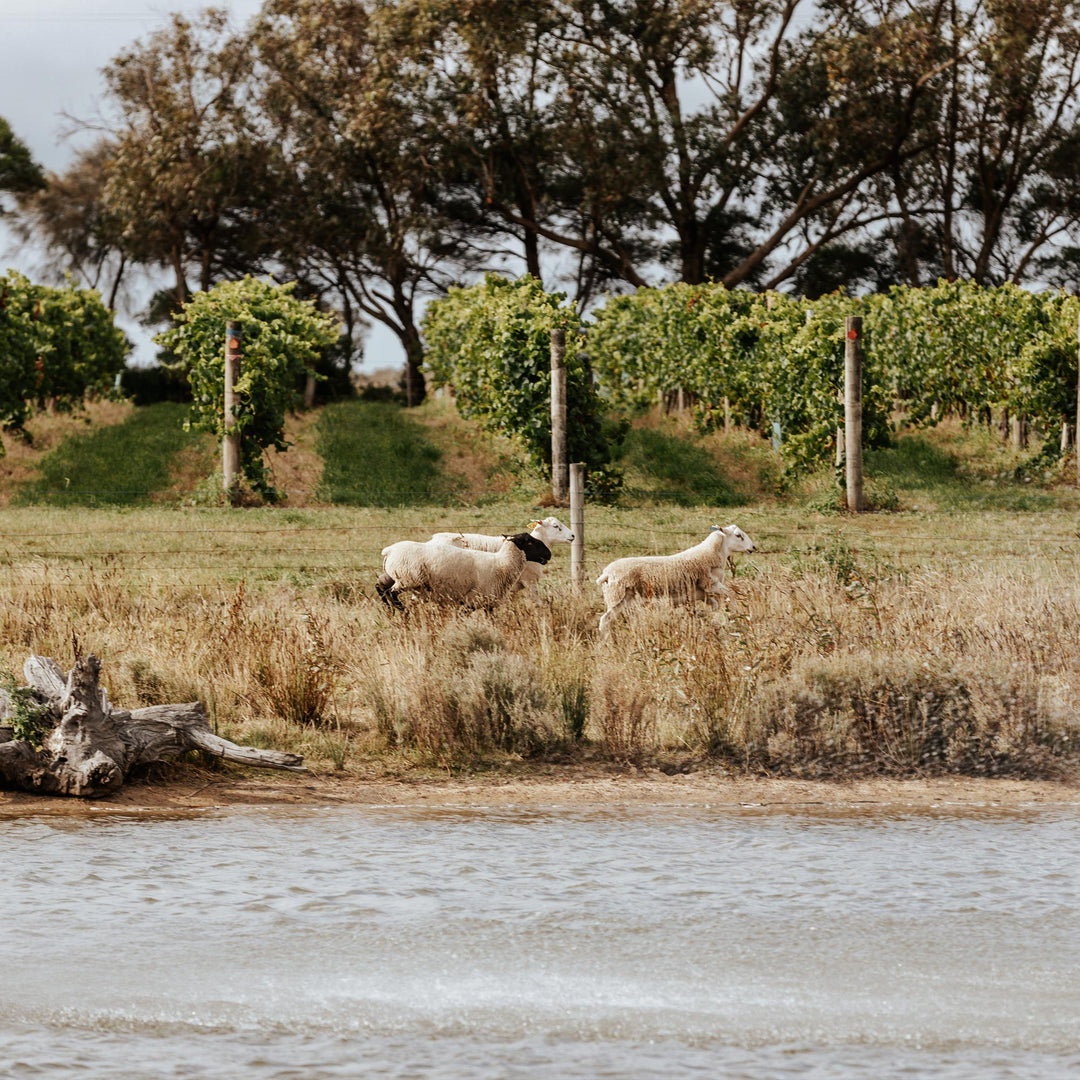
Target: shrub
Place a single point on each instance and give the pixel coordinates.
(465, 698)
(492, 344)
(282, 338)
(56, 345)
(845, 715)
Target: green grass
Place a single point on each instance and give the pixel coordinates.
(375, 454)
(121, 465)
(674, 469)
(959, 470)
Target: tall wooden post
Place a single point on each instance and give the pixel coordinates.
(230, 443)
(577, 524)
(853, 463)
(1018, 431)
(558, 417)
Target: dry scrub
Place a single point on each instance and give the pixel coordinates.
(814, 670)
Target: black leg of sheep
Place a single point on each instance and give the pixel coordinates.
(385, 588)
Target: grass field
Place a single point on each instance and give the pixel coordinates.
(941, 637)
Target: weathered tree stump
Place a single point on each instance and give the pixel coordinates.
(93, 747)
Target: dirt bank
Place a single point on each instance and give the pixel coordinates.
(214, 790)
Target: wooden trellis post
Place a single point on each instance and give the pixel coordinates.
(230, 443)
(577, 524)
(853, 460)
(558, 417)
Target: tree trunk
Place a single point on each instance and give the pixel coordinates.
(92, 747)
(415, 384)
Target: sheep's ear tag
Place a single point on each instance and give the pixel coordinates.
(715, 528)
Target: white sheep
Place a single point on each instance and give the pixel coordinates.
(687, 576)
(549, 531)
(448, 572)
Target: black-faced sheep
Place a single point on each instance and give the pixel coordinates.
(685, 577)
(455, 574)
(549, 531)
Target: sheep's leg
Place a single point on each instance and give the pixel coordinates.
(714, 589)
(609, 615)
(385, 588)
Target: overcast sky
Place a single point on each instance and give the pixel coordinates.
(51, 56)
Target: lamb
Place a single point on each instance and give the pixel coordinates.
(549, 531)
(448, 572)
(694, 574)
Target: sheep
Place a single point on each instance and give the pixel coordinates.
(448, 572)
(549, 531)
(694, 574)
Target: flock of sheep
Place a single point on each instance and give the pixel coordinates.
(479, 570)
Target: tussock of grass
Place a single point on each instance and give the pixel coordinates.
(123, 464)
(375, 454)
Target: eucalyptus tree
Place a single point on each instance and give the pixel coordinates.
(362, 209)
(187, 169)
(759, 137)
(995, 195)
(685, 138)
(489, 66)
(1010, 163)
(854, 107)
(69, 219)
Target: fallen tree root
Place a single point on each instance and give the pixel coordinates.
(92, 747)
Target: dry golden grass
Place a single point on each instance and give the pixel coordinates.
(898, 645)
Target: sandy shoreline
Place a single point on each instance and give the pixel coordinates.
(606, 791)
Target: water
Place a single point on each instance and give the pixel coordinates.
(489, 944)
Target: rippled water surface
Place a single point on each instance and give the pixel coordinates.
(484, 944)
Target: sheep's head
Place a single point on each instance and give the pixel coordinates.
(551, 531)
(535, 550)
(736, 539)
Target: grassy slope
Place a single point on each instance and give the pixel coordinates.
(123, 464)
(376, 454)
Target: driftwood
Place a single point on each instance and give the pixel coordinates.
(93, 747)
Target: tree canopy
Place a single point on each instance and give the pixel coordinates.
(381, 151)
(19, 173)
